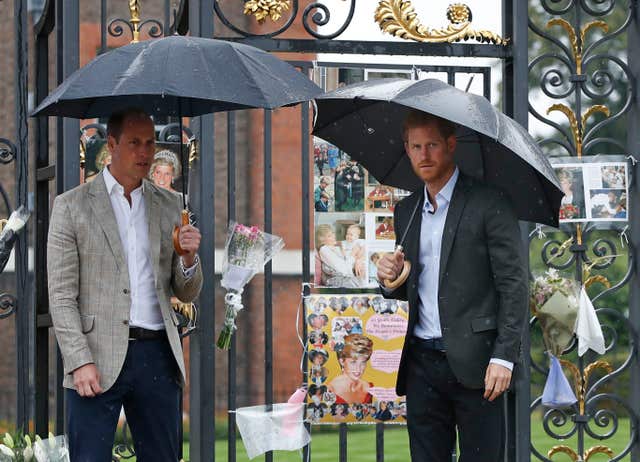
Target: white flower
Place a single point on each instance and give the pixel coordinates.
(7, 451)
(27, 454)
(8, 441)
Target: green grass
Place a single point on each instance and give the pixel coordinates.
(361, 445)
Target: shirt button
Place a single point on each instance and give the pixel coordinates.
(125, 291)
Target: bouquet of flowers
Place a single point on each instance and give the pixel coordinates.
(247, 250)
(554, 300)
(21, 449)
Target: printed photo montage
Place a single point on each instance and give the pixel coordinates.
(593, 191)
(353, 220)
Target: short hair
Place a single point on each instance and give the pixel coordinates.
(325, 179)
(417, 118)
(166, 157)
(117, 118)
(354, 226)
(356, 345)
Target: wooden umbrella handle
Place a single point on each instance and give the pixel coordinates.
(184, 217)
(404, 274)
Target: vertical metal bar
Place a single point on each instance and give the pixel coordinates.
(231, 207)
(23, 305)
(516, 95)
(41, 218)
(103, 26)
(633, 147)
(70, 62)
(268, 276)
(306, 244)
(342, 446)
(451, 77)
(167, 17)
(379, 442)
(202, 342)
(60, 19)
(486, 83)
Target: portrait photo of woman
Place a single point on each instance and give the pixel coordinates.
(349, 386)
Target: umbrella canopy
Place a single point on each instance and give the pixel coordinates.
(365, 120)
(179, 76)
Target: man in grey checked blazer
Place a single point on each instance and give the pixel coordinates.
(112, 270)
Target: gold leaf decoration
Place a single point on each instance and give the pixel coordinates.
(577, 130)
(263, 9)
(598, 450)
(598, 278)
(596, 365)
(398, 18)
(563, 450)
(577, 46)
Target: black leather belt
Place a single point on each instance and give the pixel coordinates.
(436, 344)
(140, 333)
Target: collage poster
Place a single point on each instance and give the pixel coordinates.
(353, 219)
(594, 191)
(354, 345)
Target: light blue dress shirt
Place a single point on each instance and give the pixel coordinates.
(431, 231)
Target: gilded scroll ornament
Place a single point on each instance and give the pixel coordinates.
(398, 18)
(263, 9)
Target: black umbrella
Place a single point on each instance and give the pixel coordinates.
(365, 120)
(179, 76)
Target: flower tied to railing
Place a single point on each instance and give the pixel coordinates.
(247, 250)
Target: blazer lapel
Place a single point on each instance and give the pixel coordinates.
(153, 212)
(412, 241)
(458, 201)
(103, 210)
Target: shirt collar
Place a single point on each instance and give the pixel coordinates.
(445, 193)
(110, 182)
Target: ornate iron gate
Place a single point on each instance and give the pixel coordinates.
(59, 24)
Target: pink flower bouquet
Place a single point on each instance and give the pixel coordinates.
(247, 250)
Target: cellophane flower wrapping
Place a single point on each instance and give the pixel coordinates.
(247, 250)
(554, 300)
(53, 449)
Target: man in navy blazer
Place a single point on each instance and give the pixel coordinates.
(467, 294)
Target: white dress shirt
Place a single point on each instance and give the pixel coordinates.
(431, 231)
(133, 228)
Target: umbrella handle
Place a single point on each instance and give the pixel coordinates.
(397, 282)
(176, 233)
(404, 274)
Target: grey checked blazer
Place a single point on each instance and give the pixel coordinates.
(89, 291)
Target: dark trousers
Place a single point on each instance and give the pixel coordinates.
(149, 391)
(437, 404)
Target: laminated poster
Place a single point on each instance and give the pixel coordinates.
(354, 344)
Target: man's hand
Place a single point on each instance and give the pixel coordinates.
(496, 381)
(189, 239)
(86, 379)
(390, 266)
